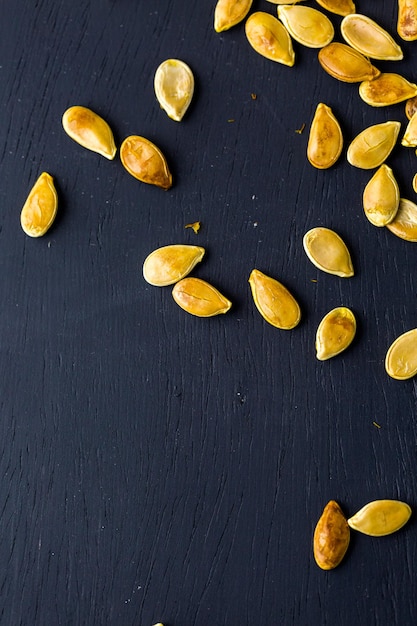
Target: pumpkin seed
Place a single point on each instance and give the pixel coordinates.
(346, 64)
(144, 161)
(335, 333)
(407, 19)
(381, 517)
(381, 197)
(331, 537)
(386, 89)
(401, 357)
(270, 38)
(169, 264)
(339, 7)
(284, 1)
(228, 13)
(414, 182)
(410, 136)
(199, 298)
(404, 224)
(411, 107)
(327, 251)
(369, 38)
(273, 301)
(373, 145)
(174, 87)
(308, 26)
(325, 141)
(89, 130)
(40, 208)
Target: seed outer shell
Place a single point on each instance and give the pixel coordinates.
(411, 107)
(407, 20)
(145, 161)
(174, 87)
(331, 537)
(269, 37)
(199, 298)
(169, 264)
(346, 64)
(381, 197)
(409, 139)
(40, 208)
(89, 130)
(228, 13)
(369, 38)
(339, 7)
(308, 26)
(371, 147)
(325, 140)
(404, 224)
(327, 251)
(386, 89)
(335, 333)
(381, 517)
(401, 357)
(274, 301)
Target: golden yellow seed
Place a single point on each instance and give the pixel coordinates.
(373, 145)
(381, 197)
(414, 182)
(273, 301)
(285, 1)
(89, 130)
(331, 537)
(409, 139)
(144, 161)
(369, 38)
(306, 25)
(346, 64)
(381, 517)
(325, 141)
(228, 13)
(407, 19)
(335, 333)
(401, 357)
(199, 298)
(169, 264)
(174, 87)
(386, 89)
(339, 7)
(270, 38)
(411, 107)
(404, 224)
(327, 251)
(40, 208)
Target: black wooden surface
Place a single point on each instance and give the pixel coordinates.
(159, 467)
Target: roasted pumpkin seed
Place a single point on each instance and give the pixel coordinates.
(404, 224)
(144, 161)
(410, 136)
(373, 145)
(174, 87)
(40, 208)
(284, 1)
(407, 20)
(199, 298)
(386, 89)
(228, 13)
(325, 141)
(331, 537)
(414, 182)
(270, 38)
(339, 7)
(366, 36)
(335, 333)
(327, 251)
(308, 26)
(381, 197)
(346, 64)
(401, 357)
(411, 107)
(273, 301)
(381, 517)
(169, 264)
(89, 130)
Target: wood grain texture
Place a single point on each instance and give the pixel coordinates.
(159, 467)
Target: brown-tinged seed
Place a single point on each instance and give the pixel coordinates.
(411, 107)
(373, 145)
(40, 208)
(401, 357)
(346, 64)
(89, 130)
(339, 7)
(369, 38)
(306, 25)
(404, 224)
(270, 38)
(174, 87)
(273, 301)
(386, 89)
(325, 141)
(335, 333)
(144, 161)
(169, 264)
(381, 197)
(199, 298)
(228, 13)
(327, 251)
(407, 20)
(331, 537)
(381, 517)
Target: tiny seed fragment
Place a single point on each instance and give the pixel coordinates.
(145, 162)
(381, 197)
(89, 130)
(308, 26)
(195, 226)
(270, 38)
(325, 141)
(169, 264)
(401, 357)
(381, 517)
(40, 208)
(273, 301)
(411, 107)
(407, 19)
(327, 251)
(366, 36)
(331, 537)
(373, 145)
(174, 87)
(346, 64)
(386, 89)
(404, 224)
(339, 7)
(199, 298)
(335, 333)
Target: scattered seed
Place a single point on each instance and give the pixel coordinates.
(325, 141)
(40, 208)
(404, 224)
(339, 7)
(270, 38)
(331, 537)
(386, 89)
(327, 251)
(174, 87)
(381, 197)
(346, 64)
(228, 13)
(169, 264)
(308, 26)
(369, 38)
(199, 298)
(373, 145)
(273, 301)
(401, 357)
(407, 19)
(89, 130)
(335, 333)
(144, 161)
(381, 517)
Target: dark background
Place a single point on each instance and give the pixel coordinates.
(160, 467)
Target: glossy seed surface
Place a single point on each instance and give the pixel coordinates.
(40, 208)
(401, 357)
(366, 36)
(325, 140)
(373, 145)
(273, 301)
(199, 298)
(410, 136)
(331, 537)
(89, 130)
(386, 89)
(270, 38)
(404, 224)
(169, 264)
(335, 333)
(327, 251)
(339, 7)
(144, 161)
(381, 517)
(346, 64)
(381, 197)
(407, 20)
(306, 25)
(228, 13)
(174, 87)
